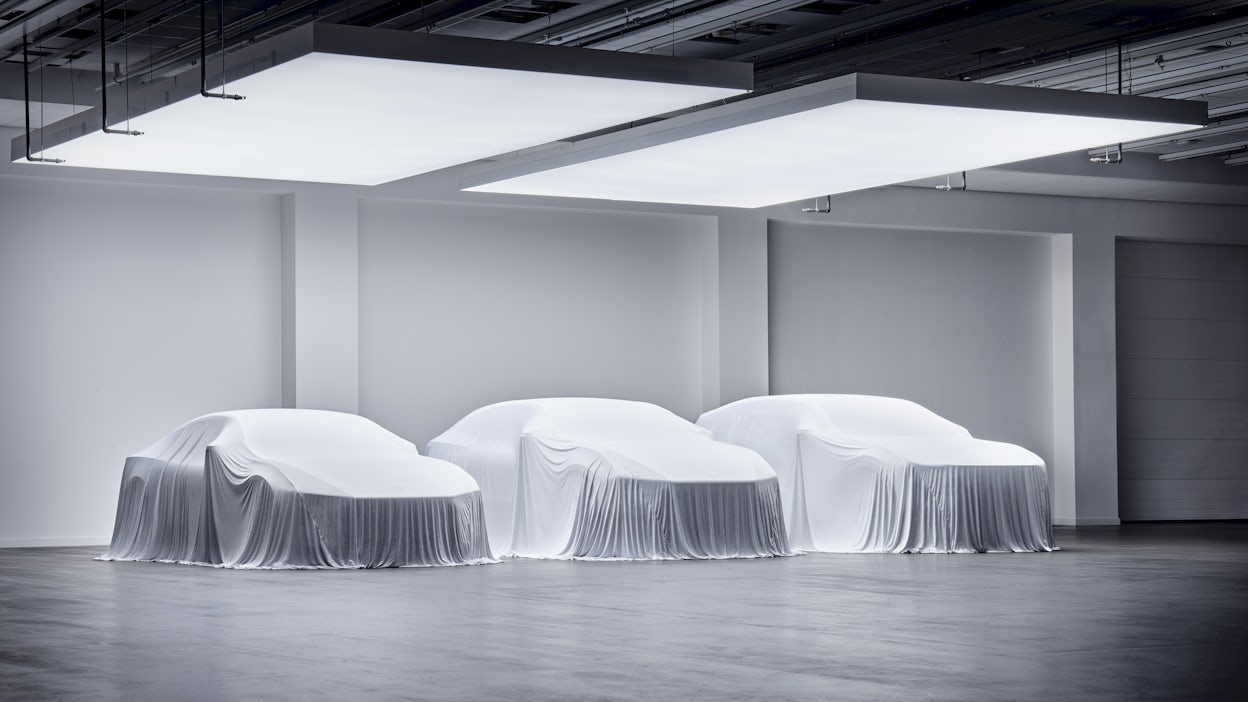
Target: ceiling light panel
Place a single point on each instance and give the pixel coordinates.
(776, 152)
(338, 117)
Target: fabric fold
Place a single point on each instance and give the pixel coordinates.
(882, 475)
(592, 478)
(295, 489)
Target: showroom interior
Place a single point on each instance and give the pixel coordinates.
(1089, 306)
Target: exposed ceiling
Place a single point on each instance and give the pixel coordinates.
(1182, 49)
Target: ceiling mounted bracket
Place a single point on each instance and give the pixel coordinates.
(104, 84)
(203, 53)
(819, 210)
(26, 94)
(1107, 158)
(950, 187)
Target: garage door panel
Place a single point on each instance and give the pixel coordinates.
(1182, 419)
(1183, 339)
(1183, 499)
(1170, 379)
(1153, 298)
(1182, 381)
(1157, 259)
(1150, 459)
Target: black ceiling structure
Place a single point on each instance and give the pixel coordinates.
(1181, 49)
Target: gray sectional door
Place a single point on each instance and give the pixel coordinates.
(1182, 381)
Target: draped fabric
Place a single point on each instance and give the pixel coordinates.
(870, 474)
(659, 520)
(610, 479)
(295, 489)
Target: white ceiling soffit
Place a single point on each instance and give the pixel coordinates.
(341, 104)
(849, 133)
(13, 112)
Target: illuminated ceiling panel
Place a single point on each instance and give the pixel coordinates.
(341, 104)
(850, 133)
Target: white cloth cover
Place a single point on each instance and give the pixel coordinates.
(878, 474)
(613, 479)
(288, 488)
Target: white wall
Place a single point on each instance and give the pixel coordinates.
(958, 322)
(1082, 232)
(465, 306)
(669, 306)
(125, 311)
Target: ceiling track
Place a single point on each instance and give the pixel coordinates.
(428, 16)
(15, 33)
(722, 16)
(851, 53)
(1214, 129)
(161, 9)
(1228, 110)
(1091, 60)
(594, 21)
(1204, 151)
(1143, 64)
(660, 14)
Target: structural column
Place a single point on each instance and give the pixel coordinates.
(320, 298)
(742, 282)
(1094, 382)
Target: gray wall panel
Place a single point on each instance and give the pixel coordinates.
(1191, 458)
(1175, 298)
(958, 322)
(1182, 419)
(462, 307)
(1166, 379)
(1183, 499)
(1154, 259)
(1182, 380)
(1183, 339)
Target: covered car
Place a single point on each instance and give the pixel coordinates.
(292, 488)
(613, 479)
(879, 474)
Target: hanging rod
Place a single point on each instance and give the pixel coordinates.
(203, 54)
(26, 94)
(104, 84)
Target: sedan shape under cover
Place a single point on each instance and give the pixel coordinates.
(884, 475)
(291, 488)
(613, 479)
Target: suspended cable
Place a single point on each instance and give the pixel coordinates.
(26, 112)
(104, 84)
(203, 58)
(1116, 157)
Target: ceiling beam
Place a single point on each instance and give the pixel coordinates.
(12, 33)
(841, 55)
(1068, 71)
(1204, 151)
(697, 24)
(1228, 127)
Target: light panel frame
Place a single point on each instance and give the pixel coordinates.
(356, 105)
(849, 133)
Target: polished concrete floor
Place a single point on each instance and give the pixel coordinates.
(1146, 611)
